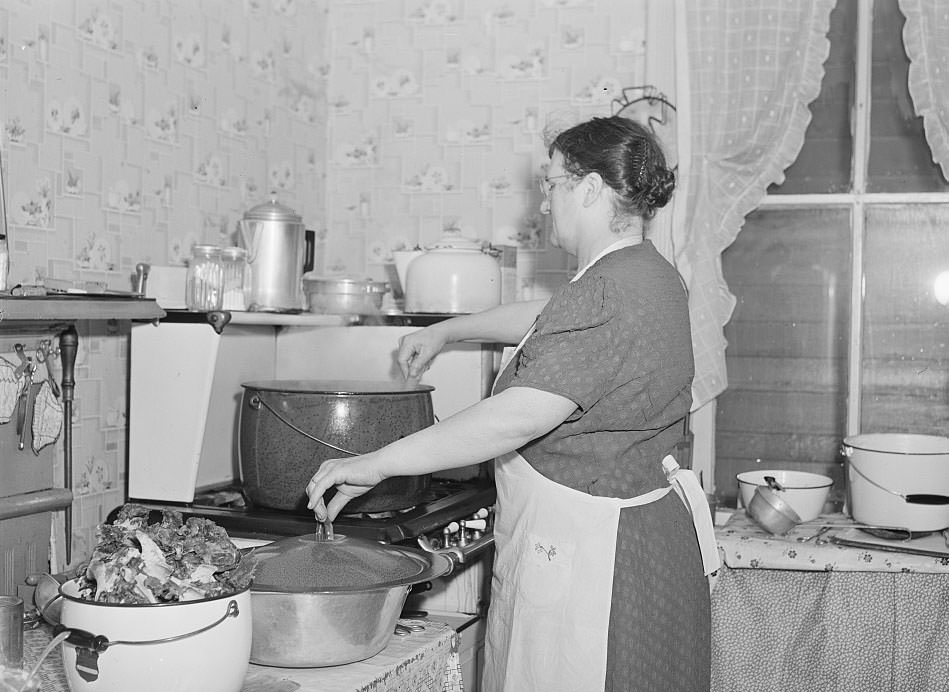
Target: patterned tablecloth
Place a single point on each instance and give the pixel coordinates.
(425, 661)
(745, 545)
(800, 617)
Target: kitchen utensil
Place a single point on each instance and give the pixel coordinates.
(455, 275)
(898, 479)
(805, 492)
(932, 545)
(343, 295)
(405, 629)
(190, 645)
(771, 512)
(50, 360)
(820, 532)
(25, 406)
(325, 603)
(279, 251)
(287, 428)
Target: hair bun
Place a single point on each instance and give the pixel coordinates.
(660, 192)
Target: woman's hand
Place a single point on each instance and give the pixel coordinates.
(352, 477)
(418, 349)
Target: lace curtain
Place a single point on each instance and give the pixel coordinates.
(746, 74)
(926, 39)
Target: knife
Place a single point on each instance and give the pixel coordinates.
(23, 404)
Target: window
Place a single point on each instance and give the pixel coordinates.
(837, 330)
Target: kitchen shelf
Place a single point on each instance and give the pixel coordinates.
(220, 319)
(71, 307)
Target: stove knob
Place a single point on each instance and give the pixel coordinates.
(475, 524)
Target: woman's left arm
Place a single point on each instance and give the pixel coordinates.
(494, 426)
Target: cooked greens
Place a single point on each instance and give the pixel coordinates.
(135, 562)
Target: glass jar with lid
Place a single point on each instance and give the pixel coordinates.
(234, 264)
(205, 283)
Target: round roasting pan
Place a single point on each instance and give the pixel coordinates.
(331, 602)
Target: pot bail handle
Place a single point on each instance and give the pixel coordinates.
(256, 401)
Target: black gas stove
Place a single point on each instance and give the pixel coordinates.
(444, 502)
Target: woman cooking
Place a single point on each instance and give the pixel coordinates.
(598, 580)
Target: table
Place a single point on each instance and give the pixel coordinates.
(425, 661)
(796, 616)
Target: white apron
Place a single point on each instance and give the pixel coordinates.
(552, 584)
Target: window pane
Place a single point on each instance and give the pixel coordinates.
(905, 365)
(900, 159)
(787, 345)
(825, 159)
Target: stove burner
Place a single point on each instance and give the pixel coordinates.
(444, 502)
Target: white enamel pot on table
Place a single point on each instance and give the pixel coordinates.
(190, 645)
(898, 480)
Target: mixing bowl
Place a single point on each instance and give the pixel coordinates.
(805, 492)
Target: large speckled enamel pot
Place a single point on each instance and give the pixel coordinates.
(289, 427)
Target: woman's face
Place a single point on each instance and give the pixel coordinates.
(558, 202)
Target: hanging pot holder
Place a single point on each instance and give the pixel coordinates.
(10, 385)
(47, 418)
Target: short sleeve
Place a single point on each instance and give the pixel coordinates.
(576, 350)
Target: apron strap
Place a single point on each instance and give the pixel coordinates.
(687, 485)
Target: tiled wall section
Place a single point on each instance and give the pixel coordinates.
(132, 129)
(437, 115)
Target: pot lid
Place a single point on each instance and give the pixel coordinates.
(272, 210)
(302, 564)
(337, 386)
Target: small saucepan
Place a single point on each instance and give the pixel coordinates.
(770, 511)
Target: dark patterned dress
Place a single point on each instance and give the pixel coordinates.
(617, 342)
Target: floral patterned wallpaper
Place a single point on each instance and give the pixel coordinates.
(131, 129)
(437, 114)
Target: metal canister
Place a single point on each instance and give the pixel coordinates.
(11, 632)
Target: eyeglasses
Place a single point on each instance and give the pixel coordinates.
(546, 185)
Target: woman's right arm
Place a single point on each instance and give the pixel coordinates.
(503, 324)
